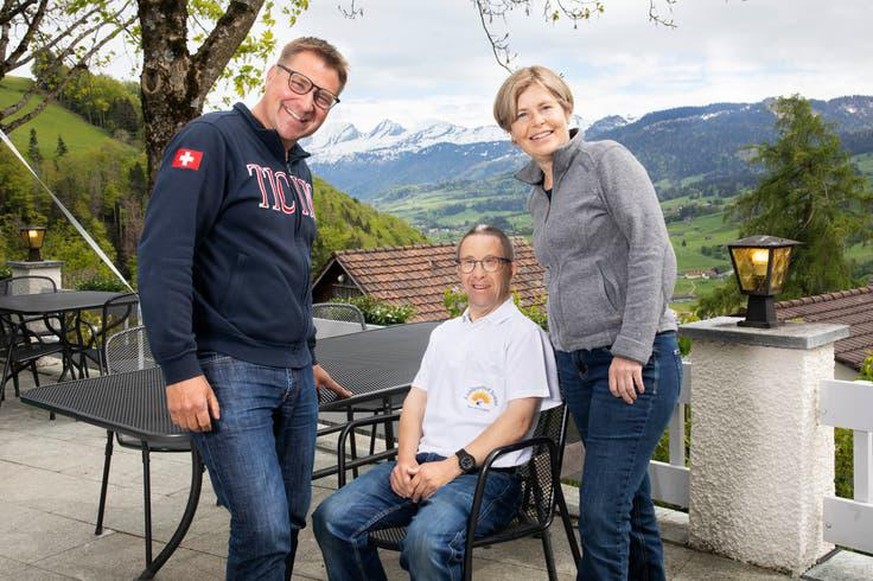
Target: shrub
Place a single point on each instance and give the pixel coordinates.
(867, 368)
(100, 283)
(377, 312)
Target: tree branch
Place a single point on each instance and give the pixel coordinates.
(221, 44)
(78, 67)
(552, 10)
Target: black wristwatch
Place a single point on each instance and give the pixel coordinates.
(466, 461)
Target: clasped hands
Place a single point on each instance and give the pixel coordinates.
(418, 482)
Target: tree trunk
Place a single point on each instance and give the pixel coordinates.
(174, 83)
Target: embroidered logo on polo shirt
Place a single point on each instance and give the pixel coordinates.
(481, 398)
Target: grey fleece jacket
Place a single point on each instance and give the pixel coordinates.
(610, 267)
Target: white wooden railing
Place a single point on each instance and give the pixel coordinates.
(670, 480)
(849, 404)
(843, 404)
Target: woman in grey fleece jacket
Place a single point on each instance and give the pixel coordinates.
(610, 269)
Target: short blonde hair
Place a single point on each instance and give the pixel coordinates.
(324, 50)
(506, 101)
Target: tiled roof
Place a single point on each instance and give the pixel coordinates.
(852, 307)
(418, 275)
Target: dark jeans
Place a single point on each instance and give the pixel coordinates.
(620, 538)
(260, 455)
(436, 527)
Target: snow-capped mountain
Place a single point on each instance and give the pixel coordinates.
(672, 144)
(368, 163)
(388, 140)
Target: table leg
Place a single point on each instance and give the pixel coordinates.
(389, 427)
(187, 518)
(353, 446)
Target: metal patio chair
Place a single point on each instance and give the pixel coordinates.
(541, 492)
(129, 351)
(25, 340)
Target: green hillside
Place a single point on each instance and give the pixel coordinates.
(345, 222)
(54, 121)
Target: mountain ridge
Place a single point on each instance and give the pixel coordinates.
(673, 144)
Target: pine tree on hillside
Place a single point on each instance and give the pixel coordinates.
(33, 150)
(810, 192)
(61, 149)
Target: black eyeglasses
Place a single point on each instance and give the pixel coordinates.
(301, 84)
(489, 264)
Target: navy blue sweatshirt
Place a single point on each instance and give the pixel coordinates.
(224, 257)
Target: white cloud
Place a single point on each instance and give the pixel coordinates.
(413, 60)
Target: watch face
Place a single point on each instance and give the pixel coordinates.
(466, 462)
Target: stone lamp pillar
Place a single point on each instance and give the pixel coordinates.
(760, 460)
(49, 268)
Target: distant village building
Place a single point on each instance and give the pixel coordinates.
(696, 273)
(852, 307)
(416, 275)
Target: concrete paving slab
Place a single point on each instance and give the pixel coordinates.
(845, 566)
(30, 535)
(39, 452)
(14, 571)
(684, 564)
(121, 556)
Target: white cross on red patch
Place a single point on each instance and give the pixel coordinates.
(187, 159)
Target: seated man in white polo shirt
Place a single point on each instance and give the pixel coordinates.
(483, 379)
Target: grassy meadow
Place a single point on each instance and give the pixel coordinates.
(55, 121)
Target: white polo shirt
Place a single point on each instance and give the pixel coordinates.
(472, 369)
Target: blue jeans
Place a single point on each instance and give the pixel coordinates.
(436, 527)
(260, 455)
(620, 538)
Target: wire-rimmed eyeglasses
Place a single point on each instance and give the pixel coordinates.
(301, 84)
(489, 264)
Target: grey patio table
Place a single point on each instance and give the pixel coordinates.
(374, 365)
(67, 306)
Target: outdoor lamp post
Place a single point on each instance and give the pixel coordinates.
(761, 266)
(33, 236)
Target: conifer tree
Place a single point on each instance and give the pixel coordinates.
(61, 149)
(33, 149)
(810, 192)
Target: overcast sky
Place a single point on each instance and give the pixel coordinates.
(418, 60)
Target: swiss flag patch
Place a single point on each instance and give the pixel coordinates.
(187, 159)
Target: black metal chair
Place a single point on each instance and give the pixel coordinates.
(342, 312)
(25, 340)
(119, 312)
(347, 313)
(27, 284)
(541, 491)
(129, 351)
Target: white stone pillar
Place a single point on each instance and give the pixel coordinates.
(761, 462)
(49, 268)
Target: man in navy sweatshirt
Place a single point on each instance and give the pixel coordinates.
(224, 270)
